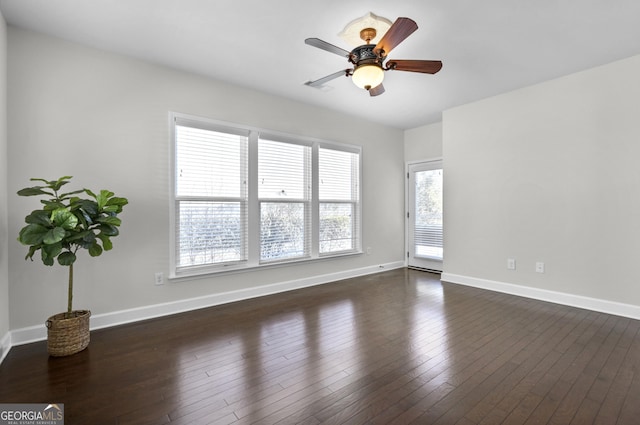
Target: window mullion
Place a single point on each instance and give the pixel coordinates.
(357, 204)
(315, 203)
(253, 202)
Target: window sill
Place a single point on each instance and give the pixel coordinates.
(209, 271)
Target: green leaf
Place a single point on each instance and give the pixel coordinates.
(103, 198)
(106, 241)
(66, 195)
(64, 218)
(82, 244)
(57, 184)
(90, 193)
(33, 179)
(88, 206)
(48, 261)
(83, 219)
(32, 191)
(118, 201)
(52, 251)
(53, 236)
(78, 236)
(33, 234)
(95, 249)
(38, 217)
(66, 258)
(32, 251)
(52, 205)
(109, 230)
(54, 185)
(114, 205)
(88, 239)
(114, 221)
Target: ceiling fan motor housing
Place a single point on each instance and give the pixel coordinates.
(364, 54)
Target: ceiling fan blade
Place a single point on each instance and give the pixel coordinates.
(426, 67)
(321, 81)
(377, 90)
(320, 44)
(401, 29)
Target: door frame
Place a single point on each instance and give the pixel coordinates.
(430, 265)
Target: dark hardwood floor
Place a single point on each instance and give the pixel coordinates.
(398, 347)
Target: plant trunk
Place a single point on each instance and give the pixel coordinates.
(70, 296)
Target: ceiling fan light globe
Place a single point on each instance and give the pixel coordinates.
(368, 76)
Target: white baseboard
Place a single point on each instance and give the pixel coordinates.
(105, 320)
(595, 304)
(5, 346)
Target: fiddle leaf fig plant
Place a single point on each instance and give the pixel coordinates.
(67, 222)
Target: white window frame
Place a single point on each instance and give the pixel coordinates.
(306, 202)
(253, 226)
(413, 260)
(353, 202)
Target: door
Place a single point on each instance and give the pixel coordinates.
(424, 216)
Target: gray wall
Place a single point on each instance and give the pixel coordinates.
(549, 173)
(423, 142)
(4, 238)
(103, 118)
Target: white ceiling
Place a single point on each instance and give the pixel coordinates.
(487, 47)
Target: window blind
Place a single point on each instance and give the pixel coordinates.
(338, 173)
(210, 196)
(284, 192)
(428, 234)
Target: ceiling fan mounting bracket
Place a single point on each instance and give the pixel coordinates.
(368, 34)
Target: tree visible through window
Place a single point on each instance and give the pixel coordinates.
(210, 196)
(339, 191)
(284, 190)
(428, 218)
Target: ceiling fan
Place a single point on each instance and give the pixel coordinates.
(369, 59)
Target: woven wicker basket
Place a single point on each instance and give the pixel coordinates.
(66, 336)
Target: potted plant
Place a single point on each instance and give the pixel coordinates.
(64, 224)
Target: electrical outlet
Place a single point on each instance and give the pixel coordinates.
(511, 263)
(368, 250)
(539, 267)
(159, 278)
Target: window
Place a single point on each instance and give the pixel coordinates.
(339, 195)
(210, 196)
(284, 192)
(242, 197)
